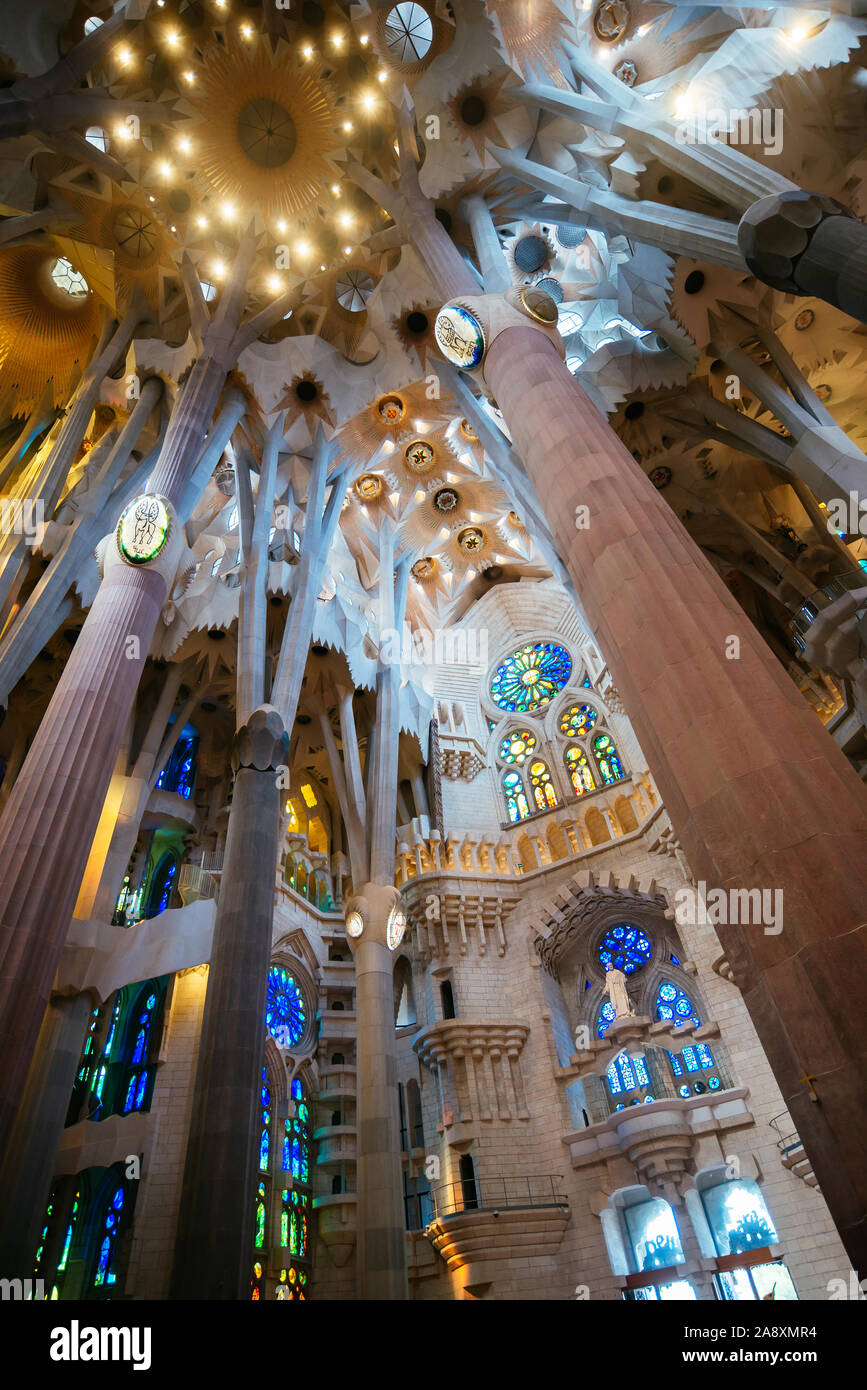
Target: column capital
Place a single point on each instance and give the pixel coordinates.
(262, 743)
(775, 231)
(467, 326)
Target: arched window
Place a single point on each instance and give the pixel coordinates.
(699, 1066)
(136, 1084)
(577, 720)
(578, 767)
(516, 799)
(607, 1016)
(265, 1118)
(626, 948)
(106, 1265)
(544, 794)
(610, 766)
(626, 1074)
(179, 773)
(672, 1003)
(118, 1063)
(161, 884)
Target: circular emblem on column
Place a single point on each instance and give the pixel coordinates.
(395, 928)
(143, 529)
(539, 305)
(460, 336)
(354, 924)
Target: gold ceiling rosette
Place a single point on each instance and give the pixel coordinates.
(263, 130)
(45, 334)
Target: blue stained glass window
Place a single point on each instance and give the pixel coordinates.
(672, 1003)
(297, 1091)
(606, 756)
(625, 948)
(531, 677)
(105, 1273)
(606, 1018)
(285, 1016)
(179, 773)
(626, 1073)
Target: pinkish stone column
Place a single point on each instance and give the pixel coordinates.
(759, 794)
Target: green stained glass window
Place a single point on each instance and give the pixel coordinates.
(610, 765)
(531, 677)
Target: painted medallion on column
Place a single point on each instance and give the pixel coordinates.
(395, 928)
(354, 924)
(143, 529)
(460, 336)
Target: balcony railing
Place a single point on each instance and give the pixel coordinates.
(498, 1194)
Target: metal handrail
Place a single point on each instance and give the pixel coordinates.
(813, 604)
(504, 1194)
(791, 1140)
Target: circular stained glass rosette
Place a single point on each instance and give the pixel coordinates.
(395, 928)
(625, 948)
(673, 1004)
(285, 1018)
(143, 529)
(531, 677)
(517, 747)
(578, 719)
(460, 336)
(354, 924)
(419, 456)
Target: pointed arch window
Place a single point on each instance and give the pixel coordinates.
(578, 767)
(610, 766)
(673, 1003)
(544, 794)
(106, 1270)
(179, 773)
(626, 1074)
(517, 806)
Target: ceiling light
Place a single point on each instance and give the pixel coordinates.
(124, 57)
(185, 144)
(368, 101)
(364, 40)
(281, 225)
(189, 75)
(275, 284)
(345, 219)
(201, 221)
(337, 40)
(382, 75)
(218, 269)
(247, 31)
(227, 211)
(799, 33)
(165, 169)
(122, 132)
(307, 50)
(172, 38)
(303, 248)
(347, 250)
(347, 126)
(335, 189)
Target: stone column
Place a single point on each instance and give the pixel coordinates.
(25, 1177)
(214, 1243)
(807, 243)
(381, 1224)
(758, 792)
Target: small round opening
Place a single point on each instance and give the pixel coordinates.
(634, 410)
(216, 634)
(306, 391)
(473, 109)
(417, 322)
(318, 649)
(694, 281)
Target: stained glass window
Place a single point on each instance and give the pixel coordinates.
(517, 746)
(544, 794)
(578, 719)
(531, 677)
(285, 1016)
(105, 1269)
(264, 1138)
(516, 799)
(610, 766)
(626, 1073)
(260, 1216)
(672, 1003)
(578, 767)
(179, 773)
(625, 948)
(607, 1016)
